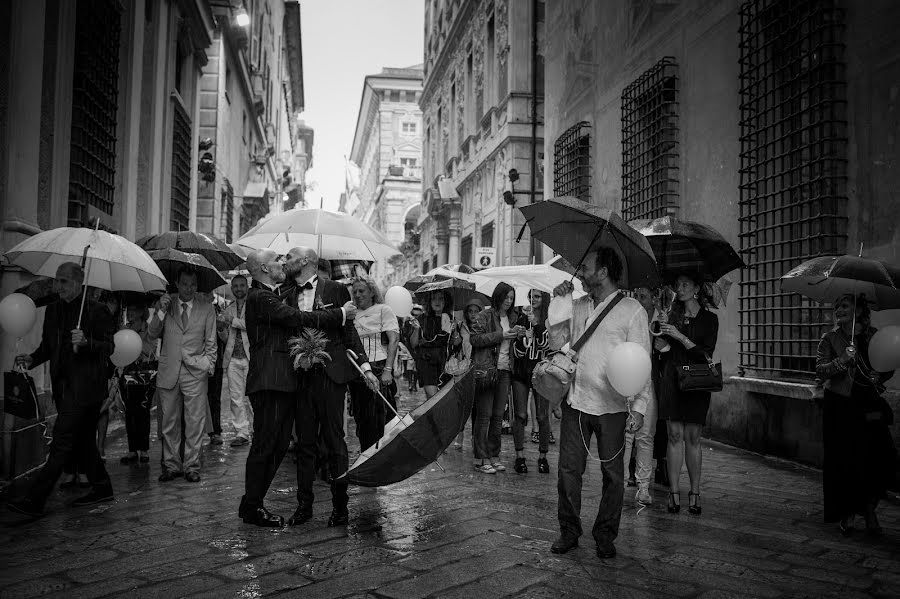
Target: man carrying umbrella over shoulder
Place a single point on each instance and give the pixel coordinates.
(78, 358)
(272, 382)
(593, 407)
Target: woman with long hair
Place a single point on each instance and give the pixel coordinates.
(429, 338)
(694, 330)
(379, 332)
(138, 385)
(492, 359)
(528, 350)
(460, 341)
(860, 459)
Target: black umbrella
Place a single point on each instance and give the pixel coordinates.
(573, 227)
(171, 261)
(685, 247)
(826, 278)
(216, 251)
(405, 451)
(440, 273)
(460, 292)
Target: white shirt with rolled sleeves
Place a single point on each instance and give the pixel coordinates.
(591, 392)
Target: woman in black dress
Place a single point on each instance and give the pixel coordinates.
(692, 331)
(429, 338)
(859, 460)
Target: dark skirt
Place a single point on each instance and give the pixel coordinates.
(689, 407)
(430, 363)
(859, 454)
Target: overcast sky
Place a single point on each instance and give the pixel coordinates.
(343, 41)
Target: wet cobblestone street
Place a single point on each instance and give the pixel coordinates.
(444, 534)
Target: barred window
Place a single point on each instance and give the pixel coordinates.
(180, 206)
(95, 91)
(572, 162)
(228, 211)
(465, 250)
(650, 143)
(793, 201)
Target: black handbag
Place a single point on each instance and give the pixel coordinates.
(706, 376)
(20, 395)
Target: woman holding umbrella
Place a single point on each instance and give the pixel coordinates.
(693, 330)
(859, 456)
(430, 338)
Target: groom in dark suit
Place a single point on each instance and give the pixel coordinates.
(271, 379)
(320, 403)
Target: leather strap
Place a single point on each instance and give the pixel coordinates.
(590, 330)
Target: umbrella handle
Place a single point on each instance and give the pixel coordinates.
(351, 355)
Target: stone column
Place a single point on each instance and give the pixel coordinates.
(442, 236)
(454, 228)
(131, 116)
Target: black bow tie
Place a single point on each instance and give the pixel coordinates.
(307, 285)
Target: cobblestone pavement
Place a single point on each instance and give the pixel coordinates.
(452, 534)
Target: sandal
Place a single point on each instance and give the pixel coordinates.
(674, 503)
(485, 469)
(535, 437)
(694, 501)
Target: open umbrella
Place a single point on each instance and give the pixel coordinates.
(543, 277)
(219, 254)
(410, 446)
(171, 261)
(440, 274)
(826, 278)
(460, 292)
(335, 235)
(685, 247)
(573, 227)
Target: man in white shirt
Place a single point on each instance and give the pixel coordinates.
(236, 360)
(593, 406)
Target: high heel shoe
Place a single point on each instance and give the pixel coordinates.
(694, 503)
(674, 503)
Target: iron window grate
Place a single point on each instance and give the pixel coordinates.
(572, 162)
(650, 156)
(95, 91)
(181, 168)
(793, 201)
(228, 211)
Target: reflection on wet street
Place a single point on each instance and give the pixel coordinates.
(442, 534)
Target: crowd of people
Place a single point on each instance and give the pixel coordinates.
(198, 357)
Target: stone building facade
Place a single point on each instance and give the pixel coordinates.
(772, 122)
(387, 146)
(483, 111)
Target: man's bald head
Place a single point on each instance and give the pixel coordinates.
(264, 267)
(68, 282)
(301, 263)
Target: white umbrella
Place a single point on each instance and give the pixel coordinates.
(114, 263)
(336, 235)
(543, 277)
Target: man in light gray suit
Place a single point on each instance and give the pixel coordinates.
(187, 358)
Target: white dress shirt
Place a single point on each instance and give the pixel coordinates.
(177, 302)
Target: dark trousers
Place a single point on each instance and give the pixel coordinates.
(214, 397)
(74, 434)
(574, 435)
(273, 419)
(520, 416)
(320, 405)
(137, 415)
(369, 411)
(490, 400)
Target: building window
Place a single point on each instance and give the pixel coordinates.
(92, 166)
(465, 250)
(395, 95)
(572, 162)
(650, 143)
(425, 266)
(408, 162)
(228, 211)
(793, 197)
(409, 128)
(487, 235)
(180, 207)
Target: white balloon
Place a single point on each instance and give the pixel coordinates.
(128, 346)
(17, 314)
(628, 369)
(399, 300)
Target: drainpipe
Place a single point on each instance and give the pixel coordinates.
(534, 59)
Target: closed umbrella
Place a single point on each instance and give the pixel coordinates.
(221, 255)
(171, 261)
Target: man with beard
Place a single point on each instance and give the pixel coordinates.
(236, 360)
(320, 403)
(272, 383)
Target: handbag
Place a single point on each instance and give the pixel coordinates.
(553, 375)
(458, 363)
(706, 376)
(20, 395)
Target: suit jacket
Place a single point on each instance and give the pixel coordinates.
(235, 332)
(270, 323)
(339, 369)
(86, 370)
(193, 348)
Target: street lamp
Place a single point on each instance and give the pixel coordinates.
(242, 18)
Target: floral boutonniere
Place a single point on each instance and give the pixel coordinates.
(308, 348)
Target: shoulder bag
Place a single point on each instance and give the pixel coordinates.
(458, 363)
(706, 376)
(553, 375)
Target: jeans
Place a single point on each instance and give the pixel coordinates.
(643, 438)
(574, 435)
(137, 415)
(490, 401)
(241, 412)
(520, 416)
(215, 400)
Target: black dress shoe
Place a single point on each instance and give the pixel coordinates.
(564, 544)
(192, 477)
(301, 515)
(261, 517)
(338, 518)
(26, 507)
(97, 495)
(242, 508)
(521, 467)
(168, 475)
(606, 551)
(543, 466)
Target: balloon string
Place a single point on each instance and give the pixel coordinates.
(37, 412)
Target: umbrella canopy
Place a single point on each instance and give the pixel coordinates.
(826, 278)
(438, 274)
(572, 227)
(335, 235)
(684, 247)
(221, 255)
(116, 264)
(543, 277)
(171, 261)
(434, 426)
(460, 292)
